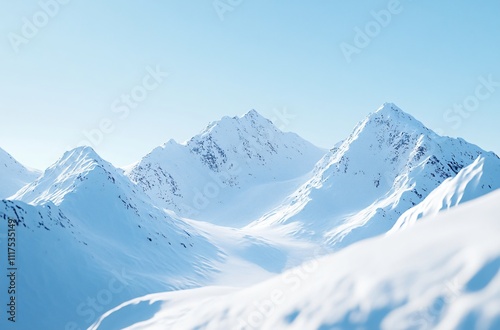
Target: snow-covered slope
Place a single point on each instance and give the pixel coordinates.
(87, 232)
(92, 236)
(230, 174)
(476, 180)
(439, 274)
(89, 239)
(13, 175)
(389, 164)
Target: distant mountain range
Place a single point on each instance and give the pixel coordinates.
(233, 206)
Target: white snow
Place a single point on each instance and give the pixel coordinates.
(13, 175)
(210, 230)
(474, 181)
(443, 273)
(92, 239)
(389, 164)
(230, 174)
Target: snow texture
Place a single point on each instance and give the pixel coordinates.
(245, 226)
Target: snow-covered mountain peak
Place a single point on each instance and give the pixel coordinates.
(251, 138)
(80, 161)
(389, 164)
(388, 108)
(389, 137)
(252, 122)
(80, 158)
(81, 152)
(231, 157)
(254, 115)
(80, 168)
(390, 119)
(390, 111)
(170, 142)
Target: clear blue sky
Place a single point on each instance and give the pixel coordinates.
(263, 55)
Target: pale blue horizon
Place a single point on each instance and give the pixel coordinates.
(437, 61)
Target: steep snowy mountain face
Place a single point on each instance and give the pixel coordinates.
(476, 180)
(13, 175)
(89, 239)
(443, 273)
(230, 173)
(92, 236)
(92, 239)
(389, 164)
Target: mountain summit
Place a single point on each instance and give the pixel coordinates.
(234, 160)
(83, 222)
(80, 168)
(388, 164)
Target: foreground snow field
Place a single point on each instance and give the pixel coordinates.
(443, 273)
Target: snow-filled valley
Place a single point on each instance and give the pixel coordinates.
(442, 274)
(247, 227)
